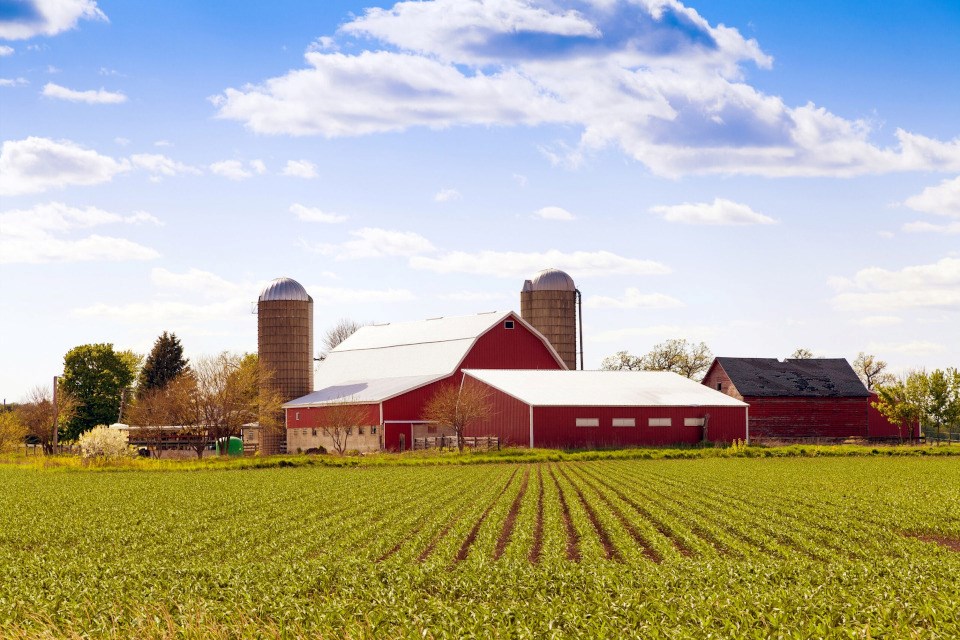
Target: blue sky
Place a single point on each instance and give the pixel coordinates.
(761, 176)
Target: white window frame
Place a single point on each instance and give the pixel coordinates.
(659, 422)
(588, 422)
(508, 324)
(624, 422)
(693, 422)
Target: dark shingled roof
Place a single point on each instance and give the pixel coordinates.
(804, 378)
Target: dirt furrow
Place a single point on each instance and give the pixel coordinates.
(537, 547)
(573, 540)
(511, 520)
(468, 541)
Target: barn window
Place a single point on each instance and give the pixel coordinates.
(624, 422)
(588, 422)
(313, 432)
(431, 428)
(659, 422)
(349, 431)
(373, 431)
(508, 324)
(719, 386)
(297, 416)
(693, 422)
(359, 431)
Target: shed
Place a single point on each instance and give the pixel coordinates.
(796, 398)
(588, 409)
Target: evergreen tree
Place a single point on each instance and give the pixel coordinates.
(164, 363)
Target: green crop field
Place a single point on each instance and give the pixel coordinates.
(792, 547)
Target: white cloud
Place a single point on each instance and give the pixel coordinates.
(91, 96)
(258, 166)
(446, 195)
(160, 165)
(6, 51)
(232, 169)
(312, 214)
(473, 296)
(165, 311)
(122, 141)
(516, 264)
(520, 179)
(912, 348)
(633, 299)
(719, 212)
(879, 321)
(300, 169)
(653, 79)
(49, 17)
(198, 281)
(942, 199)
(654, 332)
(13, 82)
(553, 213)
(163, 143)
(930, 227)
(931, 286)
(47, 233)
(375, 243)
(34, 165)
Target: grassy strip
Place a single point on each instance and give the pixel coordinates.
(434, 458)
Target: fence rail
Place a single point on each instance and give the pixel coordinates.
(478, 443)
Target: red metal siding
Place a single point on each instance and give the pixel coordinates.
(517, 348)
(311, 417)
(392, 433)
(880, 427)
(555, 427)
(772, 418)
(509, 419)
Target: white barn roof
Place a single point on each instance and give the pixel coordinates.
(603, 388)
(381, 361)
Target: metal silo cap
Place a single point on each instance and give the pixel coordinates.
(284, 289)
(552, 280)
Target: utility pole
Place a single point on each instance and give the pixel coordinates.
(56, 418)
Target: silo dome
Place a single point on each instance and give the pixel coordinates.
(284, 289)
(552, 280)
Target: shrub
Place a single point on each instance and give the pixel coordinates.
(104, 442)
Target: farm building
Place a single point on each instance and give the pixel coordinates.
(389, 371)
(587, 409)
(800, 399)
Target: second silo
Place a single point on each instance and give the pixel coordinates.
(285, 347)
(549, 303)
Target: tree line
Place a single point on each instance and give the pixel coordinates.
(209, 399)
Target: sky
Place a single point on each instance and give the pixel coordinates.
(758, 175)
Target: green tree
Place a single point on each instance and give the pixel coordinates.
(164, 363)
(689, 359)
(12, 431)
(943, 401)
(98, 377)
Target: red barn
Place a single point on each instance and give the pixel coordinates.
(389, 371)
(799, 399)
(589, 409)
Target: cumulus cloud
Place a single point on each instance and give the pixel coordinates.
(6, 51)
(160, 166)
(46, 17)
(199, 281)
(928, 286)
(654, 332)
(943, 199)
(514, 264)
(312, 214)
(90, 96)
(325, 296)
(237, 170)
(932, 227)
(48, 233)
(13, 82)
(553, 213)
(652, 78)
(718, 212)
(35, 164)
(446, 195)
(375, 243)
(633, 298)
(300, 169)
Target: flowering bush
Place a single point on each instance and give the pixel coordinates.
(104, 442)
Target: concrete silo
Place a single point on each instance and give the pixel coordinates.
(285, 347)
(549, 302)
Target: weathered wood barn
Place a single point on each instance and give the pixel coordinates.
(801, 399)
(590, 409)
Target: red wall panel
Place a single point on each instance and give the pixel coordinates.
(807, 417)
(517, 348)
(509, 419)
(717, 376)
(880, 427)
(312, 417)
